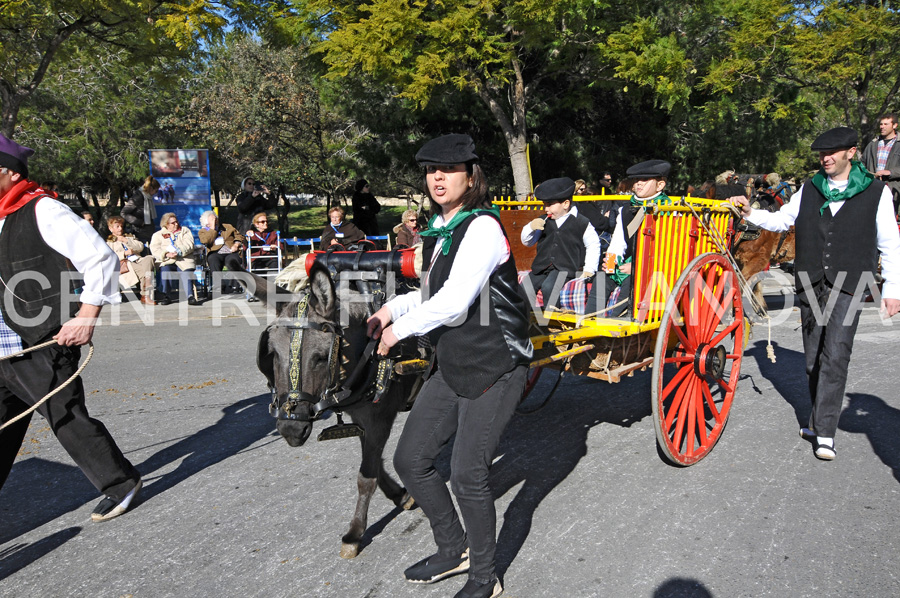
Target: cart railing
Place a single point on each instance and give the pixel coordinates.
(668, 239)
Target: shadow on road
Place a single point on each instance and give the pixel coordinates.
(680, 587)
(242, 424)
(787, 375)
(18, 556)
(542, 449)
(870, 415)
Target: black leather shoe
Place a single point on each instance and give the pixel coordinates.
(165, 300)
(437, 567)
(192, 301)
(109, 508)
(473, 589)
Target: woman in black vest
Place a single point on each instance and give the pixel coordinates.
(481, 352)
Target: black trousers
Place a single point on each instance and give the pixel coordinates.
(603, 287)
(436, 416)
(23, 382)
(217, 261)
(829, 319)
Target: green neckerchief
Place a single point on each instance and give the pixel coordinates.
(860, 179)
(659, 198)
(618, 276)
(446, 232)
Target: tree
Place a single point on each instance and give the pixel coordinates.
(260, 109)
(500, 51)
(35, 33)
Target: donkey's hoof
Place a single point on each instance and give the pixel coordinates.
(349, 551)
(408, 503)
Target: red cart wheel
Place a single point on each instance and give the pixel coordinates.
(697, 361)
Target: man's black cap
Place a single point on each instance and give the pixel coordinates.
(651, 169)
(835, 139)
(555, 190)
(448, 149)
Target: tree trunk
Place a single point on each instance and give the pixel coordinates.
(513, 126)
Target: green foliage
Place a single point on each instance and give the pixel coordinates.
(260, 110)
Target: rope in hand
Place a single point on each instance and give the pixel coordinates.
(57, 389)
(719, 240)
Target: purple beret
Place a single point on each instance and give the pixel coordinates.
(14, 156)
(835, 139)
(554, 190)
(447, 149)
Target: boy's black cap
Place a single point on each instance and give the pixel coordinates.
(835, 139)
(651, 169)
(555, 190)
(448, 149)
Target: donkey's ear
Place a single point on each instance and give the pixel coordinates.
(321, 288)
(265, 357)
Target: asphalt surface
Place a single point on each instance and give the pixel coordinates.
(586, 507)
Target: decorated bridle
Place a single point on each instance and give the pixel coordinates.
(338, 394)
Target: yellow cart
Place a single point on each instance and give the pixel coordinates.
(686, 322)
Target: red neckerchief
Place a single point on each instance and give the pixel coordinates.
(21, 193)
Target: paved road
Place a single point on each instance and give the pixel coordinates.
(586, 507)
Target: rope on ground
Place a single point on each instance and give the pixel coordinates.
(57, 389)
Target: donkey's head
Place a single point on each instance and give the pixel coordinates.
(305, 352)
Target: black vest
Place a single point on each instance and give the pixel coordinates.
(846, 242)
(493, 338)
(628, 213)
(37, 295)
(561, 248)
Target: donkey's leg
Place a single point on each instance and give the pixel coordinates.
(350, 541)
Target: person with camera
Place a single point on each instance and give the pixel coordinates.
(253, 199)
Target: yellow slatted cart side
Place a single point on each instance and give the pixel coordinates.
(669, 237)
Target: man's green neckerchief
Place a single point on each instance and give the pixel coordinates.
(860, 179)
(446, 232)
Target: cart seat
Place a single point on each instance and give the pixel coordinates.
(573, 295)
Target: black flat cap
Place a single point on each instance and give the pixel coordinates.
(448, 149)
(555, 190)
(835, 139)
(651, 169)
(14, 156)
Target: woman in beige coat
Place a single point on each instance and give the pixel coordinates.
(173, 248)
(137, 268)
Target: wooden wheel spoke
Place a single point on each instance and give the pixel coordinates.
(685, 394)
(679, 359)
(712, 404)
(728, 330)
(701, 419)
(684, 371)
(689, 318)
(688, 345)
(724, 385)
(715, 309)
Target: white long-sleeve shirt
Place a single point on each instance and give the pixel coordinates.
(483, 249)
(590, 239)
(887, 235)
(72, 236)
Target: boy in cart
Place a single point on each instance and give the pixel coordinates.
(566, 243)
(649, 184)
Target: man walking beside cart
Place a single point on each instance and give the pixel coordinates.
(844, 219)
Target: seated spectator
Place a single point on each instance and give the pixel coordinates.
(580, 187)
(263, 243)
(173, 248)
(89, 217)
(408, 230)
(225, 246)
(649, 179)
(140, 212)
(339, 231)
(134, 268)
(566, 241)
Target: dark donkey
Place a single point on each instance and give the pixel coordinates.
(314, 364)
